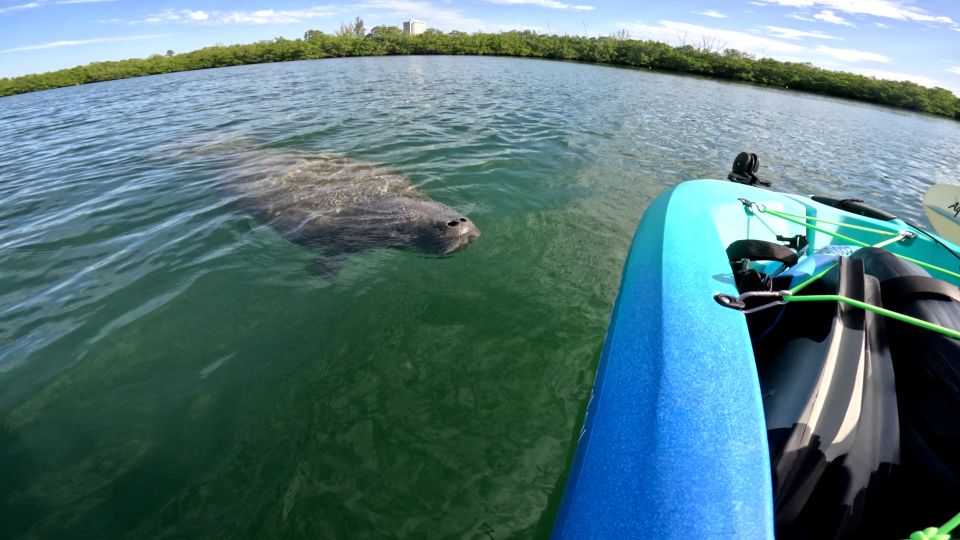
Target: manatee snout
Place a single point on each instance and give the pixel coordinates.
(447, 235)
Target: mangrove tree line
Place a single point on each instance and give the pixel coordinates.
(354, 40)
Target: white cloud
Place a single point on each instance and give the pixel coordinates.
(782, 45)
(553, 4)
(790, 33)
(74, 43)
(851, 55)
(881, 25)
(954, 70)
(676, 32)
(19, 7)
(271, 16)
(787, 3)
(167, 15)
(799, 17)
(34, 5)
(828, 16)
(887, 9)
(894, 76)
(711, 13)
(438, 17)
(263, 16)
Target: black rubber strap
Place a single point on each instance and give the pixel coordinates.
(855, 206)
(904, 289)
(760, 250)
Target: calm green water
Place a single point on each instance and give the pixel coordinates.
(171, 369)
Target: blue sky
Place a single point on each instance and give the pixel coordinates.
(891, 39)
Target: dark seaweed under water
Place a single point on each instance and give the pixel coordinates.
(169, 368)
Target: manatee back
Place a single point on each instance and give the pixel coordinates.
(331, 201)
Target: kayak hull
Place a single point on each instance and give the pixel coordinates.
(675, 440)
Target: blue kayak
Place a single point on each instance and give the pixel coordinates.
(753, 382)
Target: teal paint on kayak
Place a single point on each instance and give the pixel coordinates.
(674, 443)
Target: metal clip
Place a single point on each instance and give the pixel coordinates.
(750, 206)
(739, 303)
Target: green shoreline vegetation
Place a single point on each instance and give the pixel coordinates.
(705, 59)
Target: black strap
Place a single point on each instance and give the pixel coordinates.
(760, 250)
(855, 206)
(904, 289)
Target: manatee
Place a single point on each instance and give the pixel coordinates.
(343, 206)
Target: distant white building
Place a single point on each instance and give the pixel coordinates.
(414, 27)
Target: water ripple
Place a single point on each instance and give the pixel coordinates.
(171, 368)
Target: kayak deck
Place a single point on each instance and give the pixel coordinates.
(675, 439)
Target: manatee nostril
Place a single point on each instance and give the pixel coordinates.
(463, 219)
(452, 223)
